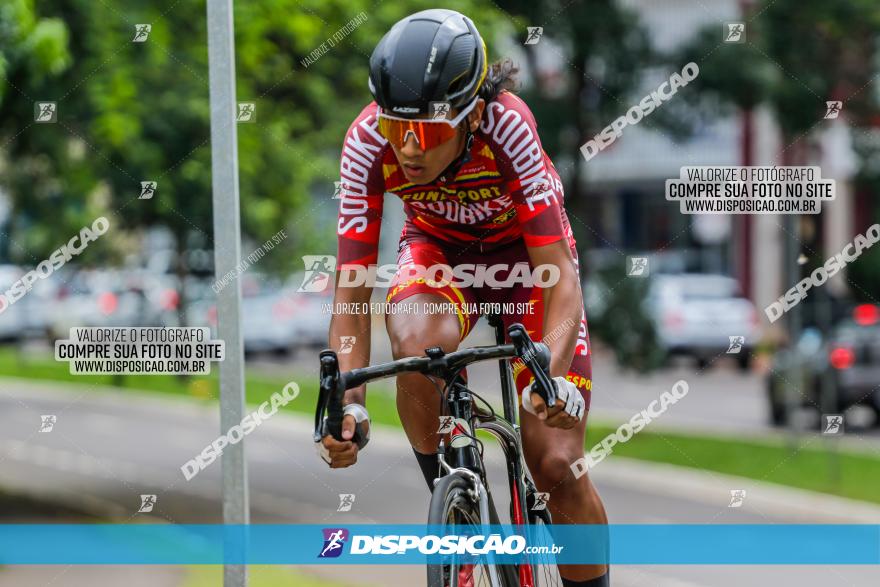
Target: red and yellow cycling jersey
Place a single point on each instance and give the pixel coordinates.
(506, 198)
(509, 189)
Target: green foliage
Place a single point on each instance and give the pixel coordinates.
(616, 311)
(130, 112)
(728, 71)
(797, 55)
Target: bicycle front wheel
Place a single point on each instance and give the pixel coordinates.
(452, 505)
(545, 573)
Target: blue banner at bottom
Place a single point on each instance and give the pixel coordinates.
(302, 544)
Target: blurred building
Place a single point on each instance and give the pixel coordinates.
(626, 181)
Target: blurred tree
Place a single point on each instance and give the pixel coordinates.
(603, 53)
(138, 111)
(798, 55)
(34, 52)
(615, 306)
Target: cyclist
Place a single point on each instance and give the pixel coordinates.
(477, 189)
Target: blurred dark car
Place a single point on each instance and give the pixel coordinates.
(850, 357)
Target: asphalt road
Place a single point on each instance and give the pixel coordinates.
(107, 449)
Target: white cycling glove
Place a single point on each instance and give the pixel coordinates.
(360, 414)
(566, 392)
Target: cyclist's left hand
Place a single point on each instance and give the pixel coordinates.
(569, 409)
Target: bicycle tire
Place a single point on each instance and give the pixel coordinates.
(544, 567)
(451, 504)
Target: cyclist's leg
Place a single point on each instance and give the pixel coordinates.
(418, 402)
(412, 329)
(550, 452)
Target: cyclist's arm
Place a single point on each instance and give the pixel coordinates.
(562, 305)
(358, 227)
(355, 323)
(534, 186)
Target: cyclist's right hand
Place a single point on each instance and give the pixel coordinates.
(569, 409)
(342, 453)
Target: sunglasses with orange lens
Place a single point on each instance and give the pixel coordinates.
(429, 133)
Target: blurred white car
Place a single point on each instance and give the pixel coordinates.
(13, 318)
(274, 318)
(695, 314)
(98, 298)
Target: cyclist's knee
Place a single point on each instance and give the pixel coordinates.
(553, 470)
(410, 338)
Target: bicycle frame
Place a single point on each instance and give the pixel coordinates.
(463, 447)
(507, 432)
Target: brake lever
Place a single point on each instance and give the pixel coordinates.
(328, 388)
(330, 395)
(537, 359)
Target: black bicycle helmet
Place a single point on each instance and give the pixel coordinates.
(434, 55)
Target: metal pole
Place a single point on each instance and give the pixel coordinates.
(227, 250)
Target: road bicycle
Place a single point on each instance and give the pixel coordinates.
(461, 498)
